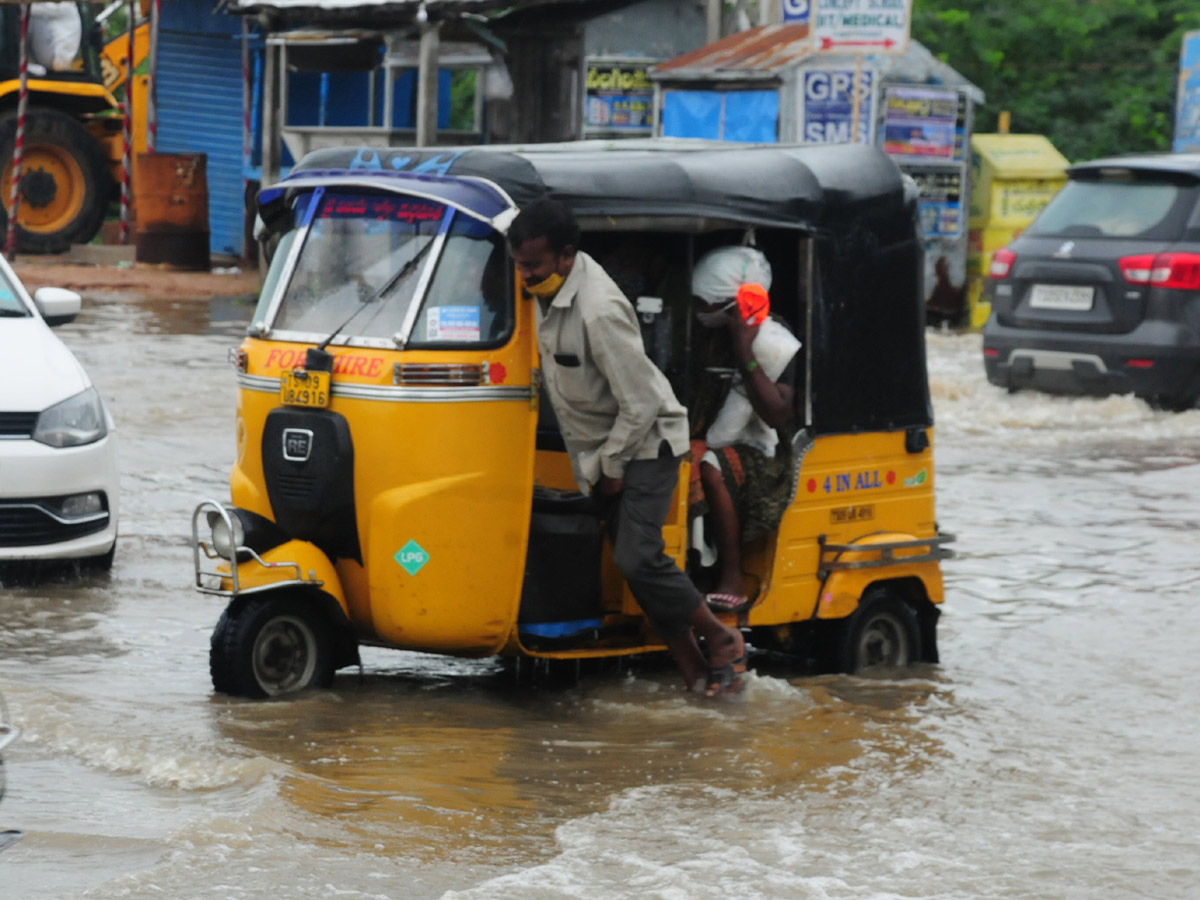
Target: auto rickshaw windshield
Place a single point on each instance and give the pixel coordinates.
(363, 261)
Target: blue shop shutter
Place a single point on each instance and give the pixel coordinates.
(200, 111)
(692, 114)
(752, 116)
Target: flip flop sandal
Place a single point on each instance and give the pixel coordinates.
(726, 603)
(726, 679)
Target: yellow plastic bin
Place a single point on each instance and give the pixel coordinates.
(1013, 177)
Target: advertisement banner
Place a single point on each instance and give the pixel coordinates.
(620, 97)
(922, 122)
(939, 200)
(827, 106)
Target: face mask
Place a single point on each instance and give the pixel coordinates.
(715, 318)
(547, 287)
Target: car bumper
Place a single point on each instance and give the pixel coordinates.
(1157, 361)
(32, 476)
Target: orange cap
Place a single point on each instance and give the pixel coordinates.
(753, 303)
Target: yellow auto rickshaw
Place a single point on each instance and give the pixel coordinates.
(399, 481)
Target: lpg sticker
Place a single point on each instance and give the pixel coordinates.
(412, 557)
(918, 479)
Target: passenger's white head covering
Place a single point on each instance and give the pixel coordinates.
(720, 273)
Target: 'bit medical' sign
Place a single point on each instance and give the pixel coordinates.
(861, 26)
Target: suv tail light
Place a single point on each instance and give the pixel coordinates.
(1168, 270)
(1002, 263)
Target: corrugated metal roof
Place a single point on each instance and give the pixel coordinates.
(757, 51)
(395, 8)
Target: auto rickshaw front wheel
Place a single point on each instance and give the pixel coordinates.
(268, 645)
(882, 633)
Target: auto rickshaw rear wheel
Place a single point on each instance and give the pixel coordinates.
(882, 633)
(268, 645)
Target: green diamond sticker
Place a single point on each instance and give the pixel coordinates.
(412, 557)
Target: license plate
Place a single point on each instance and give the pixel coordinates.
(1061, 296)
(300, 388)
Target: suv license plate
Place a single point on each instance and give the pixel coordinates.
(300, 388)
(1060, 296)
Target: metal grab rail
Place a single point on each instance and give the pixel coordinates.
(199, 546)
(886, 549)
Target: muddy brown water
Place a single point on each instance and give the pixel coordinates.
(1053, 753)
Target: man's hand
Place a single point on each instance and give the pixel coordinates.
(742, 336)
(609, 487)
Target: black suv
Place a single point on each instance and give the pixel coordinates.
(1101, 294)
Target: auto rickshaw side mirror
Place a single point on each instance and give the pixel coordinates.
(916, 440)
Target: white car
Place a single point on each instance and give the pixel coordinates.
(58, 445)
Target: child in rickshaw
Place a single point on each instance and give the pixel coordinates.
(741, 475)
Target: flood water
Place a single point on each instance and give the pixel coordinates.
(1054, 753)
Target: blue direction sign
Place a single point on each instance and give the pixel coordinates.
(796, 12)
(1187, 98)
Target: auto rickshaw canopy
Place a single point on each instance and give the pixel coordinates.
(865, 321)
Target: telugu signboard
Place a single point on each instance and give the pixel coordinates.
(861, 26)
(827, 106)
(923, 122)
(620, 97)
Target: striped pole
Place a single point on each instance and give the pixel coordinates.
(14, 194)
(127, 128)
(152, 97)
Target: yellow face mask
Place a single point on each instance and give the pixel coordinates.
(547, 287)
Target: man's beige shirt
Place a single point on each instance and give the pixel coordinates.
(613, 404)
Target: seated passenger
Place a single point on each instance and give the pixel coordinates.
(740, 483)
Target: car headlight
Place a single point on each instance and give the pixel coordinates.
(76, 421)
(226, 540)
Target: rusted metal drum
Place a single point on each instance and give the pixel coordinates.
(170, 202)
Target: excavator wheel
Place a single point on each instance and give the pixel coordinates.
(65, 185)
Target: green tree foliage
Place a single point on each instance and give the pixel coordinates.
(1097, 77)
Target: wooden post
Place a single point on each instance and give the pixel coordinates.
(427, 85)
(271, 128)
(713, 20)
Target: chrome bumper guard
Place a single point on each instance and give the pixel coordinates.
(200, 547)
(934, 547)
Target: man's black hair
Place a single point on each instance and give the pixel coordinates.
(545, 218)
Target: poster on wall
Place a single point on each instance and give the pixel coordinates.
(939, 199)
(827, 106)
(620, 97)
(923, 122)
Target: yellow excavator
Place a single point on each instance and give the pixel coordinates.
(74, 145)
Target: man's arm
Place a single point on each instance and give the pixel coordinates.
(616, 344)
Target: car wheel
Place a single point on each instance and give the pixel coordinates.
(268, 646)
(882, 633)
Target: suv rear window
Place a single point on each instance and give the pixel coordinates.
(1129, 207)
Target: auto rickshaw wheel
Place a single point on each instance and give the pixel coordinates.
(269, 645)
(882, 633)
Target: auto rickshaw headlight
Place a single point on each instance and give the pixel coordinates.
(227, 533)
